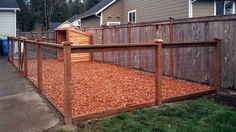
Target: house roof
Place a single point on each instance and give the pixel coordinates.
(9, 5)
(93, 11)
(73, 18)
(53, 25)
(98, 8)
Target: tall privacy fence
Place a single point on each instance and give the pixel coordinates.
(179, 30)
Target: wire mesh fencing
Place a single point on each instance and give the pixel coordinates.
(190, 64)
(89, 81)
(110, 80)
(31, 60)
(52, 72)
(15, 52)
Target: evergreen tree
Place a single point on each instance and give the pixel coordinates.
(25, 19)
(61, 11)
(41, 12)
(76, 7)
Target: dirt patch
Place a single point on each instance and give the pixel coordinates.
(225, 97)
(98, 87)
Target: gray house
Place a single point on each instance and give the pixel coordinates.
(8, 9)
(115, 12)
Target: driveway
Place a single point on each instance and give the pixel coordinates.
(22, 109)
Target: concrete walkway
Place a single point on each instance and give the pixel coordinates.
(21, 107)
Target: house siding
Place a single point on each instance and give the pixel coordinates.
(203, 8)
(113, 13)
(7, 23)
(90, 22)
(155, 10)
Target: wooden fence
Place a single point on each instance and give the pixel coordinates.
(179, 30)
(22, 60)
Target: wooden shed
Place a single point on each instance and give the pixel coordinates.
(77, 37)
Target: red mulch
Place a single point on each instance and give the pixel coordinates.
(98, 87)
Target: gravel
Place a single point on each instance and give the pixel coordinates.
(97, 87)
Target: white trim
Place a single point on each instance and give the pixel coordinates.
(234, 7)
(101, 19)
(133, 11)
(6, 9)
(190, 8)
(214, 7)
(118, 23)
(105, 7)
(14, 20)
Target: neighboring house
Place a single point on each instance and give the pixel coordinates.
(64, 25)
(8, 9)
(115, 12)
(74, 22)
(107, 12)
(54, 25)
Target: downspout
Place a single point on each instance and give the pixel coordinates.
(101, 22)
(190, 8)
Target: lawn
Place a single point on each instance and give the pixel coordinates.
(190, 116)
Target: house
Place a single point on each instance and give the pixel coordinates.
(115, 12)
(107, 12)
(8, 9)
(54, 25)
(74, 22)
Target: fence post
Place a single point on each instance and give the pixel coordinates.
(102, 41)
(19, 54)
(171, 51)
(158, 71)
(129, 41)
(44, 39)
(67, 82)
(25, 58)
(91, 54)
(12, 52)
(217, 64)
(8, 46)
(39, 65)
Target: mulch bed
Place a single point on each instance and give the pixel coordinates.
(97, 87)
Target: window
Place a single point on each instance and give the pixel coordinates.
(228, 7)
(79, 24)
(225, 7)
(113, 23)
(132, 16)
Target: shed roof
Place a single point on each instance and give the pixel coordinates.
(9, 4)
